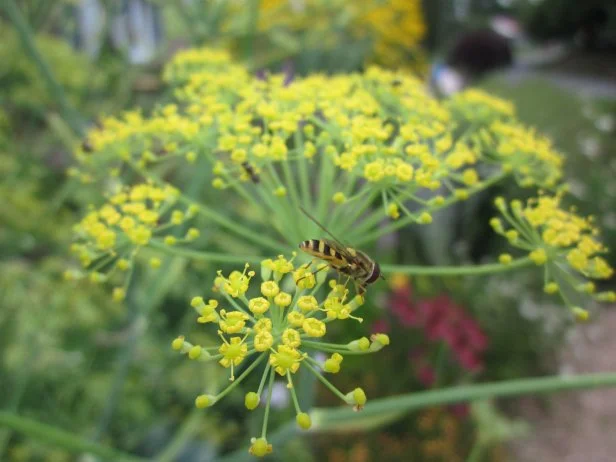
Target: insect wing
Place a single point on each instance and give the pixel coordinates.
(341, 250)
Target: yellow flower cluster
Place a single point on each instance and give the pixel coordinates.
(530, 156)
(476, 106)
(280, 323)
(108, 237)
(560, 239)
(142, 139)
(381, 126)
(395, 27)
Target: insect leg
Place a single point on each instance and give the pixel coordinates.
(314, 272)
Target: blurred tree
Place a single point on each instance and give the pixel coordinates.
(592, 23)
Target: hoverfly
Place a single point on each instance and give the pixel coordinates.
(247, 169)
(344, 259)
(251, 172)
(86, 146)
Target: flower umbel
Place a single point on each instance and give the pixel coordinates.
(282, 327)
(561, 241)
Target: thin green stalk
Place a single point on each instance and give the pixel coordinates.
(53, 436)
(326, 181)
(402, 222)
(416, 400)
(268, 199)
(351, 221)
(253, 24)
(268, 404)
(285, 207)
(468, 270)
(216, 217)
(243, 375)
(205, 256)
(241, 190)
(189, 20)
(291, 184)
(138, 316)
(185, 433)
(21, 384)
(56, 91)
(325, 382)
(304, 179)
(293, 395)
(369, 223)
(477, 451)
(340, 208)
(263, 377)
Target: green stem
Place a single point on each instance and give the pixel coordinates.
(206, 256)
(293, 395)
(244, 374)
(469, 270)
(187, 430)
(60, 438)
(216, 217)
(325, 382)
(326, 181)
(139, 312)
(55, 89)
(417, 400)
(304, 179)
(263, 377)
(402, 222)
(252, 26)
(292, 185)
(21, 384)
(268, 404)
(476, 454)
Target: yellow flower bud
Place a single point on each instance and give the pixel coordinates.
(251, 400)
(303, 421)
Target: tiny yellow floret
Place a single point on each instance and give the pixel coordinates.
(260, 447)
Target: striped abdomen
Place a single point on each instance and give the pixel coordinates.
(320, 248)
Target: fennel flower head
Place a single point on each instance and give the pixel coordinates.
(355, 149)
(376, 136)
(273, 327)
(564, 243)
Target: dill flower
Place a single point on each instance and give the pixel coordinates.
(261, 333)
(561, 241)
(270, 137)
(107, 239)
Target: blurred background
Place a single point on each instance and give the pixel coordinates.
(554, 59)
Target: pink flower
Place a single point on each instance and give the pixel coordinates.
(426, 375)
(380, 326)
(460, 410)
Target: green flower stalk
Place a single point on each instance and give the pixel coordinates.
(282, 325)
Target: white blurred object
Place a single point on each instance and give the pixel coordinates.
(506, 26)
(605, 123)
(135, 28)
(91, 24)
(447, 81)
(280, 396)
